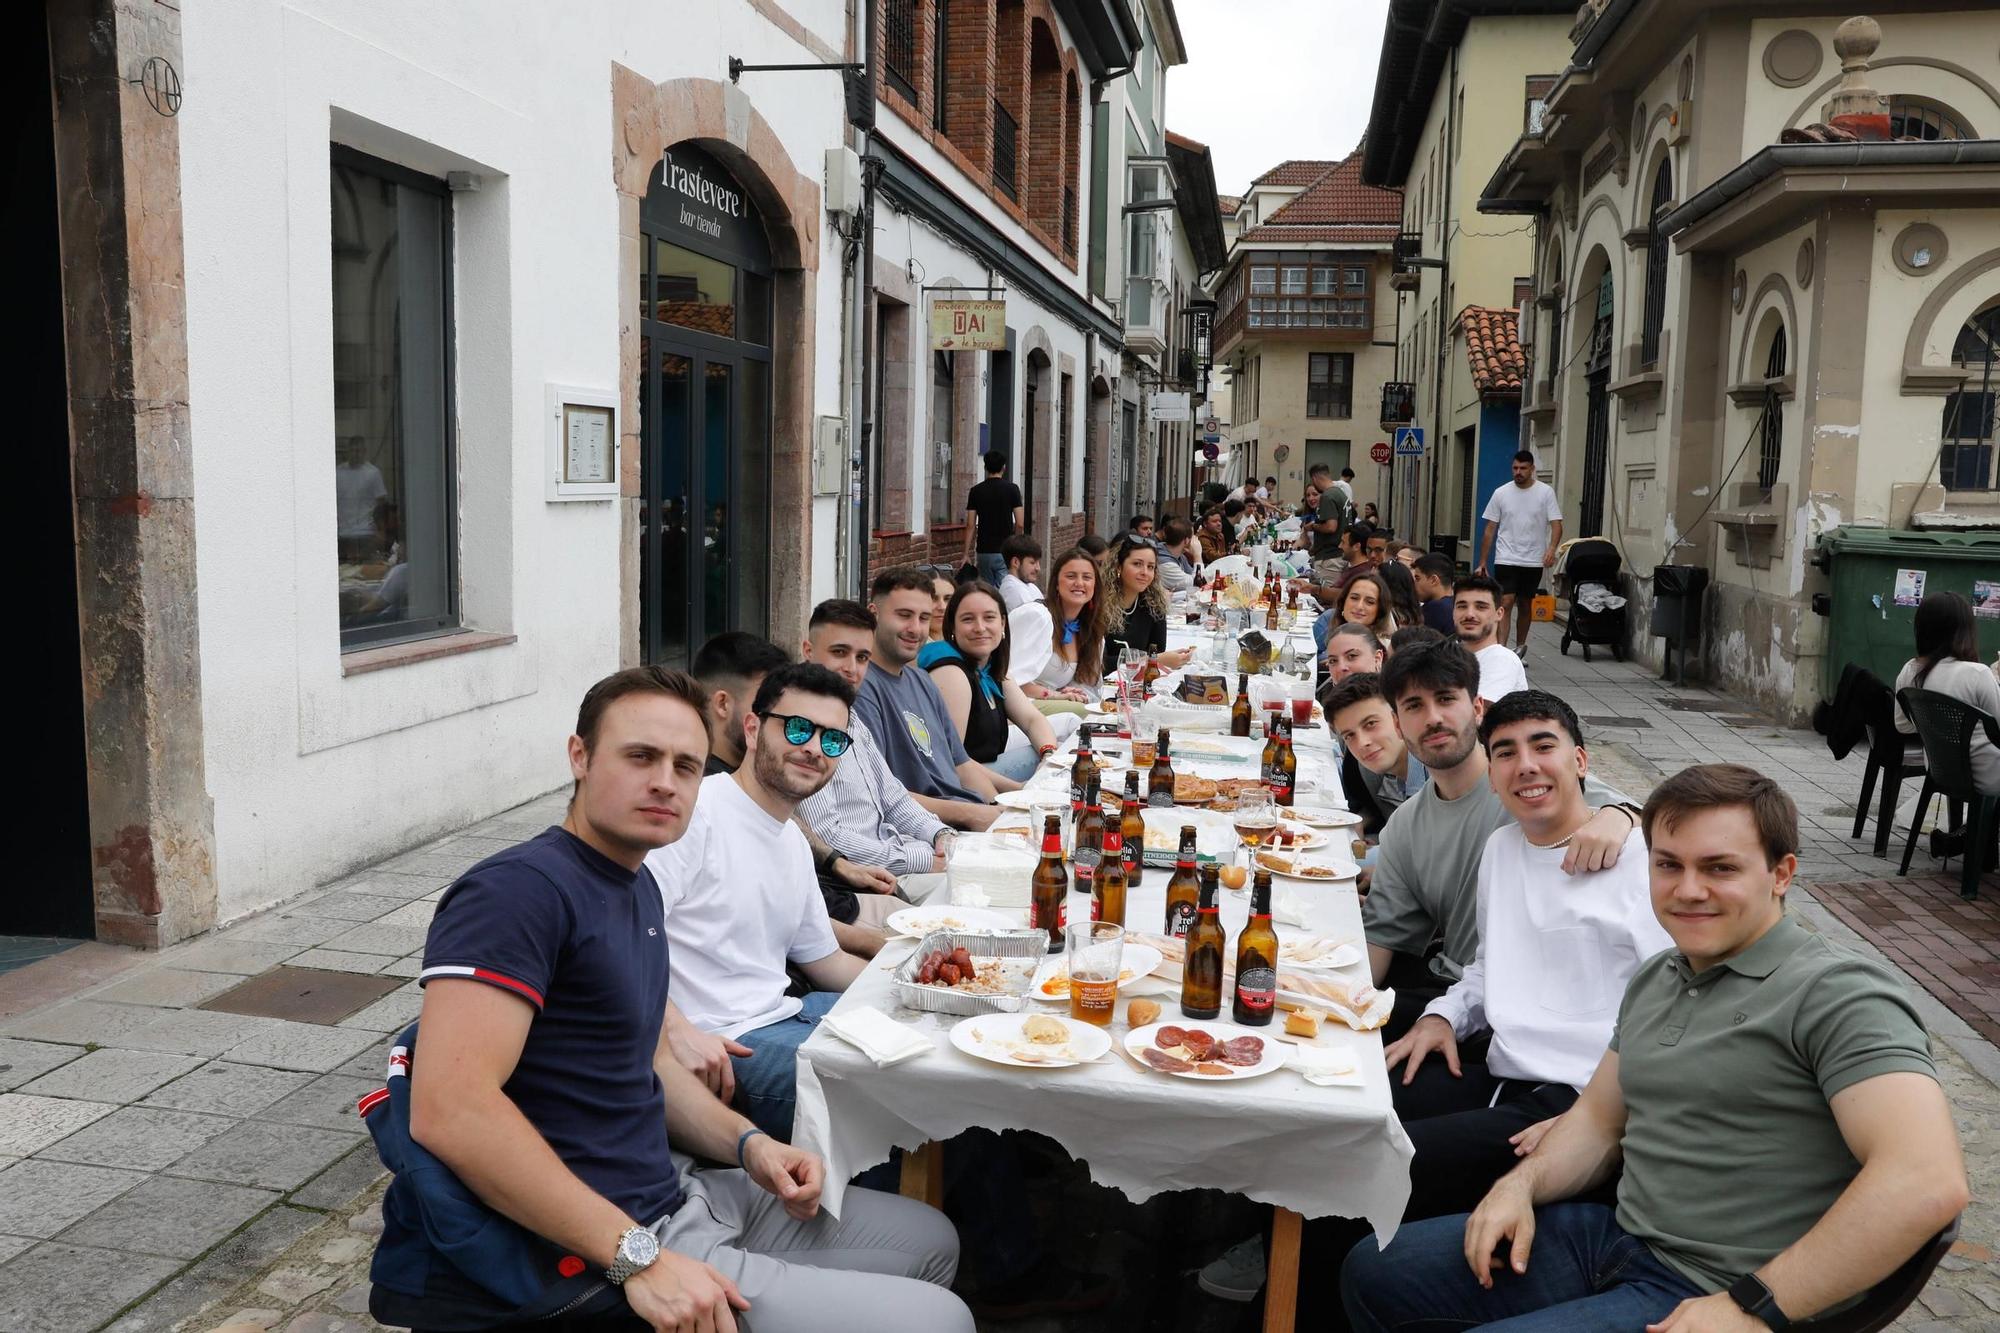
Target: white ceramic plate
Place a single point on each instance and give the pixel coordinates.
(997, 1037)
(1344, 872)
(1314, 817)
(1137, 1040)
(1344, 955)
(917, 922)
(1139, 962)
(1020, 800)
(1304, 839)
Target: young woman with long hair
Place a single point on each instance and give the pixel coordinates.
(1365, 601)
(1058, 643)
(1404, 603)
(1136, 612)
(1947, 661)
(969, 668)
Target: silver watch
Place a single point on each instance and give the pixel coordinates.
(637, 1249)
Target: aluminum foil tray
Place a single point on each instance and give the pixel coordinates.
(1021, 951)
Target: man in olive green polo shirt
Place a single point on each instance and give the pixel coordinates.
(1784, 1140)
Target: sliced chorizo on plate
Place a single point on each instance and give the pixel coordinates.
(1166, 1064)
(1169, 1036)
(1198, 1044)
(1241, 1051)
(1214, 1070)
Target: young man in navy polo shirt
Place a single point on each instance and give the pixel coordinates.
(543, 1082)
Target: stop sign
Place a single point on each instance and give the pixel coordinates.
(1379, 451)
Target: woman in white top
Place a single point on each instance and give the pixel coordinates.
(1058, 643)
(1947, 661)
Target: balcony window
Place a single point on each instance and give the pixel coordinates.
(1330, 384)
(1965, 458)
(1263, 279)
(1323, 281)
(1295, 281)
(1006, 150)
(899, 47)
(1918, 118)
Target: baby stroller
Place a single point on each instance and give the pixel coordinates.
(1596, 610)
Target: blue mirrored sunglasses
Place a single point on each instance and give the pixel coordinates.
(833, 742)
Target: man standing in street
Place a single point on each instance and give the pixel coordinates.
(992, 515)
(1476, 614)
(1523, 528)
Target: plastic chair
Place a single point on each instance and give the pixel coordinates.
(1889, 1297)
(1947, 727)
(1891, 758)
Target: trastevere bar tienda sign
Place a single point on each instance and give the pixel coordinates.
(967, 325)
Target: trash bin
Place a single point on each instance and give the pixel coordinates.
(1677, 596)
(1446, 546)
(1868, 626)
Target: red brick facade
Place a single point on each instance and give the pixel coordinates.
(1006, 51)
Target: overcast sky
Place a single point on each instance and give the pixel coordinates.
(1271, 79)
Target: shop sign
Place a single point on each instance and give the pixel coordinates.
(706, 205)
(1172, 407)
(963, 325)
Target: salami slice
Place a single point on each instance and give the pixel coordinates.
(1241, 1051)
(1166, 1064)
(1214, 1070)
(1198, 1044)
(1169, 1036)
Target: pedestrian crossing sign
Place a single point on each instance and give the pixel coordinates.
(1409, 441)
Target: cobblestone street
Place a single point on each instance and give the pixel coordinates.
(165, 1167)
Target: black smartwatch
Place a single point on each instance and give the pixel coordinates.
(1754, 1298)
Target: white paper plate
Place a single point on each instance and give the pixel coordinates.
(1314, 817)
(997, 1037)
(1345, 955)
(1305, 839)
(1137, 1040)
(1140, 960)
(917, 922)
(1021, 800)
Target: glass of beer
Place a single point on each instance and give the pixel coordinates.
(1255, 820)
(1096, 953)
(1145, 740)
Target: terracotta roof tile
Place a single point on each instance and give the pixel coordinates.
(1339, 196)
(1227, 204)
(1371, 233)
(1296, 171)
(1493, 347)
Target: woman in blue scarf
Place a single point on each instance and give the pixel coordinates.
(969, 668)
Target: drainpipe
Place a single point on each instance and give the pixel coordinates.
(861, 304)
(1443, 351)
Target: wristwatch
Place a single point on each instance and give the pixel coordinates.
(1754, 1298)
(637, 1249)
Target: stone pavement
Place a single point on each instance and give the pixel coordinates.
(166, 1167)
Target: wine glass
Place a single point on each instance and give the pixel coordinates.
(1255, 820)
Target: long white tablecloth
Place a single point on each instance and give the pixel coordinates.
(1278, 1139)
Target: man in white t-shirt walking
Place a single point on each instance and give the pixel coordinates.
(1555, 952)
(1476, 611)
(1527, 522)
(742, 900)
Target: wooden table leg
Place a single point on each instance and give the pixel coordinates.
(923, 1180)
(1281, 1272)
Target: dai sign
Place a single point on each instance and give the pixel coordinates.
(968, 326)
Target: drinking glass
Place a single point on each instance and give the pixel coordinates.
(1145, 739)
(1096, 953)
(1255, 820)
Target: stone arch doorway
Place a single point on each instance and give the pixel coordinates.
(1038, 413)
(714, 127)
(1596, 340)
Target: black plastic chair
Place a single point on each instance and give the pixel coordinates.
(1947, 726)
(1889, 1297)
(1892, 756)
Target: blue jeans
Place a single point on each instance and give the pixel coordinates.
(992, 567)
(1018, 763)
(1585, 1275)
(767, 1078)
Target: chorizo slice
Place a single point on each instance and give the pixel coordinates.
(1166, 1064)
(1170, 1036)
(1198, 1044)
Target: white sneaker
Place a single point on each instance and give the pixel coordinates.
(1237, 1274)
(1521, 651)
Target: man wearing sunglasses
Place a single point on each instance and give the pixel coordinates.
(742, 900)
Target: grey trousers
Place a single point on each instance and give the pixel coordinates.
(885, 1265)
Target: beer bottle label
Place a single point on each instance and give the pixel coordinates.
(1129, 857)
(1160, 796)
(1257, 989)
(1086, 859)
(1180, 918)
(1274, 774)
(1062, 917)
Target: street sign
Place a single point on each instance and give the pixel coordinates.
(1211, 451)
(1409, 441)
(968, 326)
(1172, 407)
(1379, 451)
(1212, 426)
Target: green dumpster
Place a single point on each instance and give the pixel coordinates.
(1868, 627)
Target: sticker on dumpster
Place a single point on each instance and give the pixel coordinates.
(1909, 587)
(1986, 598)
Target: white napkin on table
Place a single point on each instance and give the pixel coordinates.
(1288, 909)
(876, 1035)
(1324, 1066)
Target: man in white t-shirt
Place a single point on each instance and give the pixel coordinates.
(1555, 953)
(1523, 528)
(357, 487)
(1021, 583)
(1475, 610)
(742, 900)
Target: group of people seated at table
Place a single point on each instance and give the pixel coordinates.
(1607, 1033)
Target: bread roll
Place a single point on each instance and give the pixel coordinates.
(1138, 1013)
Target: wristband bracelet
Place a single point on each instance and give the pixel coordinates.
(741, 1140)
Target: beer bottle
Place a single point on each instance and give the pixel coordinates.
(1132, 827)
(1147, 675)
(1050, 896)
(1201, 974)
(1281, 774)
(1271, 612)
(1086, 839)
(1183, 888)
(1241, 714)
(1107, 899)
(1270, 755)
(1257, 959)
(1081, 770)
(1160, 782)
